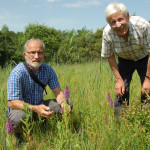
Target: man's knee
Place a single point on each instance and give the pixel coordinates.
(16, 117)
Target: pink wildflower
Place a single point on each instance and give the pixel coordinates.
(106, 121)
(9, 127)
(111, 103)
(66, 93)
(109, 100)
(108, 97)
(80, 131)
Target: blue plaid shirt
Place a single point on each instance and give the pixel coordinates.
(20, 86)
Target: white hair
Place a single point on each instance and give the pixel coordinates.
(26, 44)
(115, 7)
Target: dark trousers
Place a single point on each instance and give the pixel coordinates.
(15, 116)
(126, 70)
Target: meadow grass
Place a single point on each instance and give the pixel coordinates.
(91, 125)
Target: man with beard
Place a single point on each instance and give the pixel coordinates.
(127, 37)
(22, 89)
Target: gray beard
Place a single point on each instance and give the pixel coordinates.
(35, 66)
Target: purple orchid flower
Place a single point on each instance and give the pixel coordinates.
(9, 127)
(111, 103)
(108, 97)
(66, 93)
(109, 100)
(106, 121)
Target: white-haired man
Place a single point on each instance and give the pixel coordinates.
(127, 37)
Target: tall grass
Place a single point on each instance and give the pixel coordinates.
(91, 125)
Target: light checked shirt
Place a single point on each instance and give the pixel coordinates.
(20, 86)
(137, 46)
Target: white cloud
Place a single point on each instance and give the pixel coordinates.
(2, 17)
(9, 16)
(51, 1)
(11, 21)
(84, 3)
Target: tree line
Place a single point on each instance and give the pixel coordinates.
(68, 46)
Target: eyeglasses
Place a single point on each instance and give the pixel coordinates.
(33, 53)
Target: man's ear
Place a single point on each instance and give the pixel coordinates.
(25, 55)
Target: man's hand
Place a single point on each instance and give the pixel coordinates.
(43, 111)
(146, 86)
(119, 88)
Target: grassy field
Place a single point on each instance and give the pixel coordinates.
(91, 125)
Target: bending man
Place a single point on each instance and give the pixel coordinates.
(127, 37)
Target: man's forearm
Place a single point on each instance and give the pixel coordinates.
(18, 104)
(113, 65)
(59, 95)
(148, 66)
(60, 98)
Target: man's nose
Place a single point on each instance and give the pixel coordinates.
(118, 24)
(36, 55)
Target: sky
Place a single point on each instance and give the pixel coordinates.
(63, 14)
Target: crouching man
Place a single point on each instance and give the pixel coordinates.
(22, 89)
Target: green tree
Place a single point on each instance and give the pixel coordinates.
(6, 45)
(61, 46)
(4, 28)
(10, 49)
(68, 49)
(97, 44)
(18, 53)
(80, 46)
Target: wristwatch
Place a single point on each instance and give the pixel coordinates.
(147, 77)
